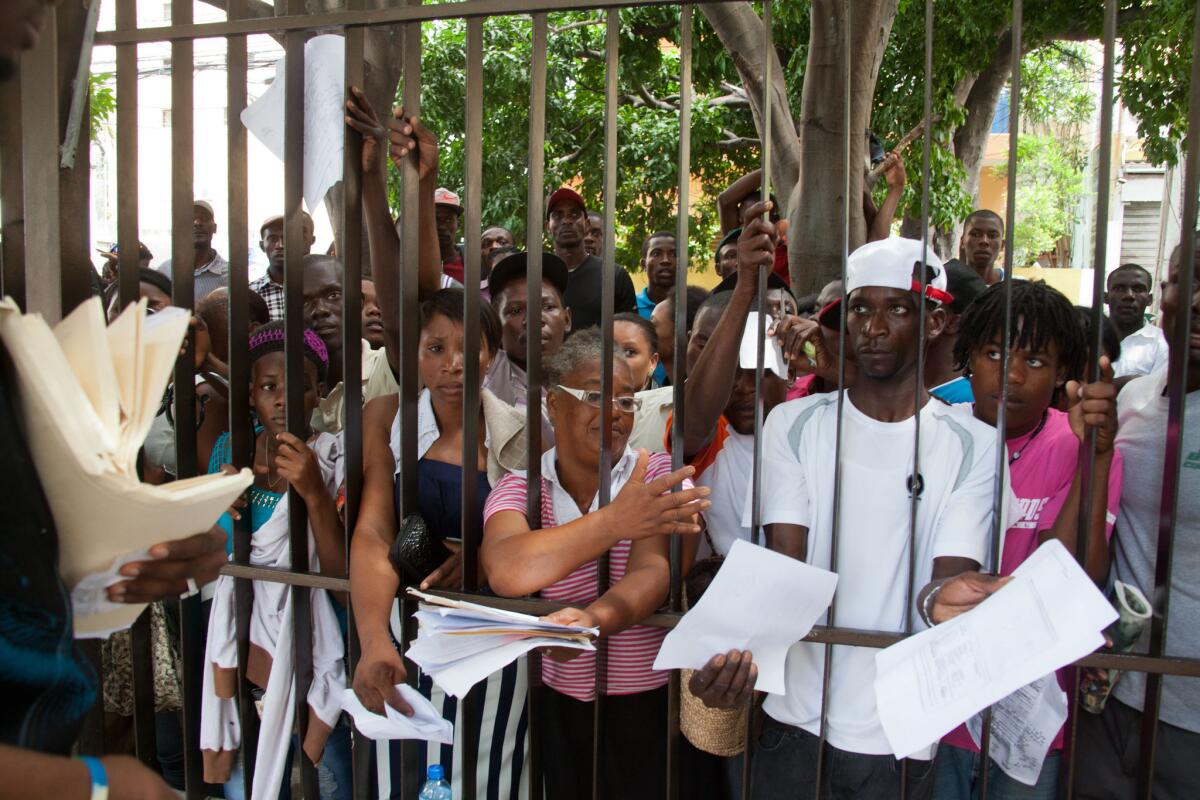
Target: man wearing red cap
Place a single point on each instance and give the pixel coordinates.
(449, 212)
(566, 222)
(954, 486)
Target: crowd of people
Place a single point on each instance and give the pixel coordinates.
(923, 339)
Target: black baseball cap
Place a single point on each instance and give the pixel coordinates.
(773, 282)
(964, 283)
(554, 272)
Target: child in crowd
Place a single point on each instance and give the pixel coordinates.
(281, 460)
(1047, 356)
(636, 338)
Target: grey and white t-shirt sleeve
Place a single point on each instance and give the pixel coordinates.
(784, 494)
(965, 524)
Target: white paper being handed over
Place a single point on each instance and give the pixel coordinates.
(1024, 725)
(1049, 615)
(760, 601)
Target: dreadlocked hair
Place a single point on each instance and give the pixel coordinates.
(1041, 314)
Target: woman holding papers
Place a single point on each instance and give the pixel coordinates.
(559, 560)
(501, 771)
(1047, 356)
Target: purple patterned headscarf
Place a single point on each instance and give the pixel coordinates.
(270, 339)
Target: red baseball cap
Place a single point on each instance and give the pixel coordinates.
(564, 195)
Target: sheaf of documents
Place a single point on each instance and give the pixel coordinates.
(1049, 615)
(759, 601)
(1024, 725)
(89, 393)
(324, 115)
(425, 723)
(460, 643)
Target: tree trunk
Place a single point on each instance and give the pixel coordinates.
(815, 232)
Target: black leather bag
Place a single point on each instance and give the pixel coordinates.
(416, 552)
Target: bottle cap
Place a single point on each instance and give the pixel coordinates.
(436, 773)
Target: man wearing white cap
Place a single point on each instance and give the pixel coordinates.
(954, 487)
(210, 270)
(449, 210)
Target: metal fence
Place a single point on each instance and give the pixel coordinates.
(30, 182)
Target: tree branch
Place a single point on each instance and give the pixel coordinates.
(573, 25)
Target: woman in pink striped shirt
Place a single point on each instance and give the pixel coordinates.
(558, 559)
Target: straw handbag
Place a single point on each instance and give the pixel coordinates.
(720, 731)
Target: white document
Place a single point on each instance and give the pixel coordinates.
(1049, 615)
(1024, 725)
(89, 598)
(89, 393)
(748, 353)
(425, 723)
(759, 601)
(324, 115)
(461, 643)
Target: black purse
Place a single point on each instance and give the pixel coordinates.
(416, 552)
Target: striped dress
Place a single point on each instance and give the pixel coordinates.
(631, 653)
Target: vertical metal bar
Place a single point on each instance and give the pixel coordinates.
(39, 124)
(409, 335)
(611, 45)
(351, 255)
(1010, 216)
(183, 296)
(75, 35)
(143, 690)
(297, 423)
(241, 436)
(682, 234)
(535, 221)
(127, 157)
(1087, 449)
(768, 103)
(12, 193)
(1177, 389)
(841, 401)
(471, 521)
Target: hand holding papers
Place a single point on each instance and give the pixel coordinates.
(89, 394)
(1049, 615)
(425, 723)
(460, 643)
(737, 613)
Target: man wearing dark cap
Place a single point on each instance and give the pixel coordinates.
(209, 270)
(566, 222)
(270, 286)
(508, 284)
(726, 255)
(941, 378)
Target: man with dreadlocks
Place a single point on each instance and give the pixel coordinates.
(1047, 355)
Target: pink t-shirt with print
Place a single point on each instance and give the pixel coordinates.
(1041, 480)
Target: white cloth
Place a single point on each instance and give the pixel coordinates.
(1142, 352)
(510, 383)
(271, 629)
(954, 516)
(377, 381)
(650, 422)
(565, 508)
(729, 477)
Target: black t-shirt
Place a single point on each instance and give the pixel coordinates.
(583, 293)
(46, 683)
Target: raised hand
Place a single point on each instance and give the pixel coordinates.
(1095, 405)
(361, 116)
(650, 509)
(407, 137)
(756, 244)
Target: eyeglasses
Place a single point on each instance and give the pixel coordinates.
(625, 404)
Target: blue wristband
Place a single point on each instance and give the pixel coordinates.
(98, 775)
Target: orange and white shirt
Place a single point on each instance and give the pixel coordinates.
(726, 466)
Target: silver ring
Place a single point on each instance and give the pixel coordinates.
(192, 589)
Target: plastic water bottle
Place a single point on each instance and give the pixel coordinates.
(436, 786)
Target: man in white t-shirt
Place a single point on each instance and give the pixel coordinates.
(1143, 345)
(954, 486)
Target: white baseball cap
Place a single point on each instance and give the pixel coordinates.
(893, 263)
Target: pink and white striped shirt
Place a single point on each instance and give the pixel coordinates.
(631, 653)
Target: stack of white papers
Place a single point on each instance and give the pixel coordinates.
(425, 723)
(744, 609)
(1048, 616)
(773, 360)
(459, 643)
(89, 393)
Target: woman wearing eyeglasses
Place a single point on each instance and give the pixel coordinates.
(559, 560)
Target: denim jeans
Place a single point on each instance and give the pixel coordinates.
(334, 773)
(784, 767)
(958, 777)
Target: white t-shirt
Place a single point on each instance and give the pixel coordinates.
(954, 518)
(1142, 352)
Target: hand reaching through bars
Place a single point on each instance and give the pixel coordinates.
(361, 116)
(1095, 405)
(756, 244)
(408, 137)
(642, 510)
(449, 574)
(569, 616)
(174, 569)
(958, 595)
(726, 681)
(379, 670)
